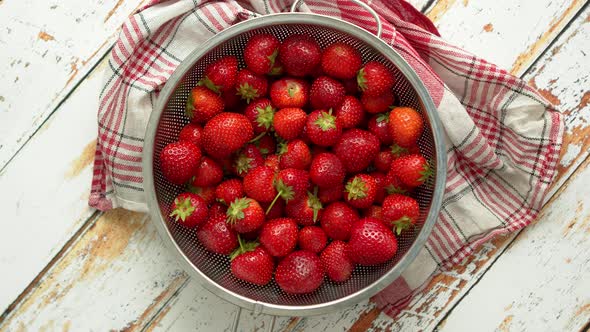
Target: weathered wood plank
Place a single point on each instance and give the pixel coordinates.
(48, 48)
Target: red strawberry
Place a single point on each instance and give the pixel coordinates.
(225, 134)
(206, 193)
(306, 211)
(179, 161)
(247, 159)
(300, 55)
(277, 210)
(252, 263)
(326, 170)
(260, 113)
(299, 273)
(189, 210)
(250, 236)
(326, 93)
(380, 185)
(266, 145)
(295, 154)
(341, 61)
(350, 112)
(357, 149)
(312, 238)
(245, 215)
(374, 211)
(229, 190)
(374, 79)
(209, 173)
(323, 128)
(192, 133)
(337, 265)
(289, 122)
(220, 76)
(405, 126)
(272, 161)
(350, 86)
(360, 191)
(289, 93)
(251, 86)
(203, 104)
(216, 210)
(371, 242)
(260, 53)
(328, 195)
(337, 220)
(216, 236)
(400, 211)
(379, 125)
(377, 104)
(279, 236)
(259, 184)
(233, 102)
(383, 161)
(412, 169)
(393, 185)
(292, 184)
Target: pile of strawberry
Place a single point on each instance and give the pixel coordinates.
(282, 158)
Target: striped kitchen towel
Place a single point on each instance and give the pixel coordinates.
(502, 138)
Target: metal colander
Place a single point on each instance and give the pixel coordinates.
(212, 270)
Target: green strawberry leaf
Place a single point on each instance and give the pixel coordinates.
(209, 84)
(356, 189)
(361, 81)
(183, 209)
(236, 209)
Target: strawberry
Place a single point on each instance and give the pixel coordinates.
(341, 61)
(233, 102)
(216, 210)
(360, 191)
(226, 133)
(252, 263)
(383, 161)
(300, 55)
(179, 161)
(272, 161)
(291, 184)
(337, 220)
(306, 211)
(405, 126)
(350, 86)
(393, 185)
(400, 211)
(289, 93)
(357, 149)
(206, 193)
(216, 236)
(295, 154)
(377, 104)
(326, 170)
(299, 273)
(323, 128)
(350, 112)
(279, 236)
(373, 211)
(312, 238)
(220, 75)
(260, 53)
(245, 215)
(209, 173)
(277, 210)
(260, 113)
(380, 185)
(332, 194)
(371, 242)
(250, 86)
(379, 125)
(203, 104)
(374, 79)
(412, 169)
(189, 210)
(336, 263)
(192, 133)
(229, 190)
(289, 122)
(266, 145)
(326, 93)
(259, 184)
(248, 158)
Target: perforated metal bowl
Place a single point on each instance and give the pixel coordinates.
(212, 270)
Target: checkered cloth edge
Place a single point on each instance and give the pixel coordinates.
(502, 138)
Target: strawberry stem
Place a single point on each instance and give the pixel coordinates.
(273, 202)
(257, 137)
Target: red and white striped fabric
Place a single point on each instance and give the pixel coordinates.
(503, 139)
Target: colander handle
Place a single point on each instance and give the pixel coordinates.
(371, 11)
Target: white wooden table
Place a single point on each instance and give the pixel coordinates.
(65, 266)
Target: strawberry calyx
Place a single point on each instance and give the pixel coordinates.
(243, 248)
(383, 117)
(314, 203)
(282, 148)
(243, 164)
(265, 116)
(402, 224)
(183, 209)
(397, 151)
(276, 70)
(273, 57)
(235, 211)
(190, 108)
(326, 121)
(248, 92)
(391, 189)
(284, 191)
(361, 80)
(356, 189)
(209, 84)
(426, 172)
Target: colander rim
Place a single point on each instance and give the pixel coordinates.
(389, 53)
